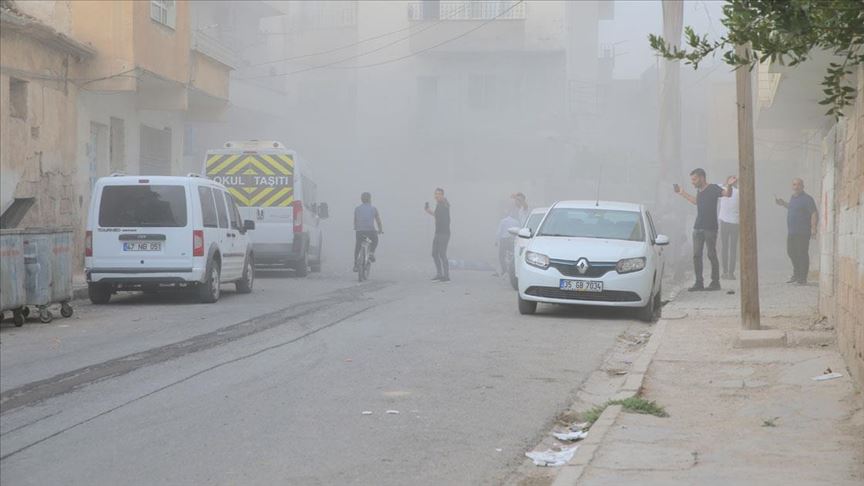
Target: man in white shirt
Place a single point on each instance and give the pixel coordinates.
(728, 216)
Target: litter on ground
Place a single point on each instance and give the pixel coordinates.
(570, 436)
(392, 412)
(552, 458)
(827, 376)
(366, 412)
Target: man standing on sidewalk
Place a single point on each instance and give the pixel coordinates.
(728, 217)
(705, 228)
(802, 218)
(442, 235)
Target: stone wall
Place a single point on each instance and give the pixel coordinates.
(845, 302)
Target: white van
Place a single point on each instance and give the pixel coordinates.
(147, 232)
(273, 187)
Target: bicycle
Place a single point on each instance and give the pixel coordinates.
(364, 261)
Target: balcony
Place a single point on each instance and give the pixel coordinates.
(503, 22)
(465, 10)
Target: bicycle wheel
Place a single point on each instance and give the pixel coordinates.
(363, 258)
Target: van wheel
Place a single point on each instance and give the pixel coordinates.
(244, 285)
(301, 267)
(99, 293)
(527, 307)
(208, 292)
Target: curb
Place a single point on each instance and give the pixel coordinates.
(571, 473)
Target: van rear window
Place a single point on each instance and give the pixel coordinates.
(143, 206)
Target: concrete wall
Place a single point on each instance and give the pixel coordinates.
(209, 76)
(38, 151)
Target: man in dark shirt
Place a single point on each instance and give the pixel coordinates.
(802, 220)
(442, 235)
(705, 228)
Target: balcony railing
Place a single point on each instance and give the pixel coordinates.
(466, 10)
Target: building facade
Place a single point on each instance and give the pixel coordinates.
(124, 76)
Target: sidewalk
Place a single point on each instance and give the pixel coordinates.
(739, 416)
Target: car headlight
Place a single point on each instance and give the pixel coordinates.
(538, 260)
(629, 265)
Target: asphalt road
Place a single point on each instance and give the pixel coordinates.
(271, 388)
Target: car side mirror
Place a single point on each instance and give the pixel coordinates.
(524, 233)
(248, 225)
(323, 210)
(513, 231)
(661, 240)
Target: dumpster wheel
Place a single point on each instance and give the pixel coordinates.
(18, 317)
(66, 309)
(45, 316)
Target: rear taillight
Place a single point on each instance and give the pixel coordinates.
(88, 243)
(198, 243)
(298, 216)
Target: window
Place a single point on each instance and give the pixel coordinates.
(236, 220)
(651, 226)
(593, 223)
(18, 98)
(533, 222)
(220, 208)
(208, 207)
(143, 206)
(164, 12)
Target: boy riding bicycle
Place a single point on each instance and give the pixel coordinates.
(366, 217)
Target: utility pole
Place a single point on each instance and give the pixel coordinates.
(749, 290)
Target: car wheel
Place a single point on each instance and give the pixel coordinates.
(514, 281)
(646, 312)
(209, 291)
(658, 304)
(99, 293)
(527, 307)
(244, 285)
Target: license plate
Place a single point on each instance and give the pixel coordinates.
(581, 285)
(142, 246)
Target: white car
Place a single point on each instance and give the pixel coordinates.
(148, 232)
(519, 244)
(595, 253)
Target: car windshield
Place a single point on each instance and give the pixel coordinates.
(143, 206)
(593, 223)
(534, 221)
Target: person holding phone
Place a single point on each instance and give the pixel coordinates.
(442, 235)
(706, 225)
(802, 221)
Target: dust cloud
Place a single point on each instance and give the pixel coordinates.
(557, 100)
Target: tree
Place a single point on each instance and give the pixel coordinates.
(786, 32)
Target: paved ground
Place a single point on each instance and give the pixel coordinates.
(740, 416)
(162, 390)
